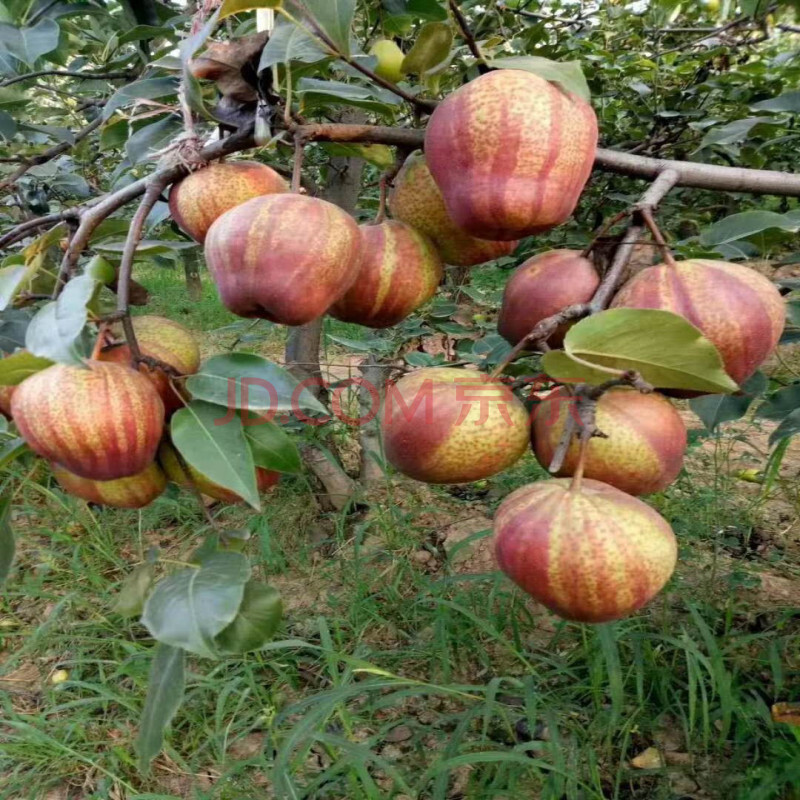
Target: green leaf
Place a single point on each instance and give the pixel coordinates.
(149, 247)
(715, 409)
(268, 387)
(7, 126)
(788, 428)
(734, 132)
(56, 332)
(780, 404)
(18, 366)
(256, 622)
(290, 42)
(13, 324)
(7, 545)
(334, 17)
(369, 97)
(12, 280)
(748, 223)
(147, 89)
(216, 449)
(29, 44)
(567, 74)
(790, 101)
(272, 447)
(11, 450)
(416, 9)
(192, 606)
(164, 696)
(664, 348)
(230, 7)
(134, 590)
(149, 138)
(432, 46)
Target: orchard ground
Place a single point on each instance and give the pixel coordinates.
(406, 665)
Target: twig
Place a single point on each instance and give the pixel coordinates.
(297, 168)
(423, 105)
(64, 73)
(658, 190)
(50, 153)
(151, 196)
(469, 38)
(658, 236)
(19, 231)
(541, 332)
(542, 17)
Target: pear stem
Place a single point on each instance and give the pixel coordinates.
(658, 236)
(577, 478)
(299, 157)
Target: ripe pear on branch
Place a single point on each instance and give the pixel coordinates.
(205, 195)
(135, 491)
(642, 444)
(400, 271)
(582, 548)
(100, 421)
(447, 425)
(284, 257)
(511, 154)
(167, 342)
(736, 308)
(416, 200)
(540, 288)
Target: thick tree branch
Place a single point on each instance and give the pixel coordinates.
(690, 174)
(468, 36)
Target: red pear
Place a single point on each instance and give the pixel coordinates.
(399, 272)
(286, 258)
(511, 154)
(445, 425)
(166, 341)
(590, 553)
(170, 463)
(99, 421)
(204, 196)
(540, 288)
(737, 309)
(644, 449)
(136, 491)
(417, 201)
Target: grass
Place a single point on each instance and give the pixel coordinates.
(395, 675)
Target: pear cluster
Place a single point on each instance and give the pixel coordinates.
(101, 425)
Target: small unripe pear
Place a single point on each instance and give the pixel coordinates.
(390, 60)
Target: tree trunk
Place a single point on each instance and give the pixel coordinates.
(191, 269)
(371, 398)
(303, 343)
